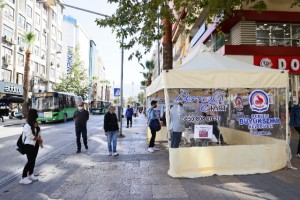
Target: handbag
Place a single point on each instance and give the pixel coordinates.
(155, 125)
(20, 146)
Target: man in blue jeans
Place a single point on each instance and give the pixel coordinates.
(177, 126)
(111, 129)
(81, 116)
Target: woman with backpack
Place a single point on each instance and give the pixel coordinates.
(32, 140)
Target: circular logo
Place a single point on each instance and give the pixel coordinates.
(266, 62)
(259, 101)
(239, 103)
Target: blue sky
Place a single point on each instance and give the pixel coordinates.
(107, 44)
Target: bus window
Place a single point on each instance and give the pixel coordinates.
(61, 102)
(73, 104)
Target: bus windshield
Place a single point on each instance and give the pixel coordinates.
(96, 104)
(44, 103)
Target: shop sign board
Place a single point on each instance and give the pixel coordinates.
(10, 88)
(291, 63)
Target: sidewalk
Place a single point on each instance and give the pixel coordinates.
(137, 174)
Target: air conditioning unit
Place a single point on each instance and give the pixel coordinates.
(7, 60)
(21, 48)
(51, 63)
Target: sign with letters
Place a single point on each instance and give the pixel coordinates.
(10, 88)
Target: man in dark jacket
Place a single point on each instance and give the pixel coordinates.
(111, 129)
(81, 116)
(295, 123)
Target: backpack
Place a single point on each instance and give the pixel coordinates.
(20, 146)
(155, 125)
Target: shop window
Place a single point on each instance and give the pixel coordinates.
(29, 12)
(9, 13)
(21, 21)
(271, 34)
(6, 75)
(7, 31)
(19, 79)
(21, 60)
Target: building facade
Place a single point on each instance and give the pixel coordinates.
(20, 17)
(267, 39)
(99, 89)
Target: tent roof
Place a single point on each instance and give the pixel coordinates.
(203, 58)
(205, 69)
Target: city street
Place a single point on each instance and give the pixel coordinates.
(135, 174)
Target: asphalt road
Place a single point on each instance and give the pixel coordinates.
(58, 137)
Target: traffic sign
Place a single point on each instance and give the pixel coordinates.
(117, 92)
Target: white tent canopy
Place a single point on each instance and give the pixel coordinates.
(206, 69)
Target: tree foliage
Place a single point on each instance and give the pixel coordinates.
(2, 4)
(149, 66)
(137, 20)
(76, 80)
(130, 100)
(142, 98)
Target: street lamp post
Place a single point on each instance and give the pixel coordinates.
(121, 98)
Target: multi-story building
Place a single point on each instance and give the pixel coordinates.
(100, 87)
(75, 35)
(19, 17)
(270, 38)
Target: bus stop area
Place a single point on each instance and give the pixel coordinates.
(137, 174)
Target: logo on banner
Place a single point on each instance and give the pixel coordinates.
(266, 62)
(239, 104)
(259, 101)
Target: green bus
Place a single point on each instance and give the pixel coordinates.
(55, 106)
(99, 107)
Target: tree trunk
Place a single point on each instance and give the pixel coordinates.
(167, 45)
(25, 105)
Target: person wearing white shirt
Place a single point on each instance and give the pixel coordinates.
(177, 126)
(32, 140)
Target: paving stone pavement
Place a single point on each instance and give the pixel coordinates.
(137, 174)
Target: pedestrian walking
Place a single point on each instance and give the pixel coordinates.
(128, 114)
(151, 116)
(111, 129)
(177, 126)
(32, 140)
(81, 116)
(295, 123)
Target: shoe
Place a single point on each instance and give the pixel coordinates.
(86, 147)
(110, 153)
(151, 150)
(298, 155)
(127, 127)
(25, 181)
(155, 148)
(78, 151)
(33, 178)
(115, 154)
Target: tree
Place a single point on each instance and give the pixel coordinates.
(149, 66)
(137, 20)
(76, 81)
(2, 4)
(142, 98)
(29, 39)
(130, 100)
